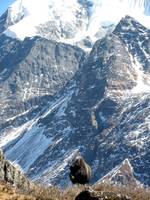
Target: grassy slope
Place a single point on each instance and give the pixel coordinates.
(53, 193)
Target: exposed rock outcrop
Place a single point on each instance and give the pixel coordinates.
(11, 175)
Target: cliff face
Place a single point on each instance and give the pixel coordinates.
(11, 175)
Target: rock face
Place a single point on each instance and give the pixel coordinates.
(123, 175)
(56, 101)
(32, 69)
(11, 175)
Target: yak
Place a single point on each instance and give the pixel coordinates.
(80, 171)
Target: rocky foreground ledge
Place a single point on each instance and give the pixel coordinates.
(13, 176)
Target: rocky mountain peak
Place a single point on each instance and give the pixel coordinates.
(122, 174)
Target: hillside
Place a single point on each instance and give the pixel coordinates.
(106, 192)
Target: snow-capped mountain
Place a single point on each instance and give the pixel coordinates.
(56, 99)
(76, 22)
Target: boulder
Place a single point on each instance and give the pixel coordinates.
(95, 195)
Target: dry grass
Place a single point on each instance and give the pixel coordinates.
(7, 192)
(134, 193)
(44, 193)
(54, 193)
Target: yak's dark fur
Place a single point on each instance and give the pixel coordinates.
(80, 171)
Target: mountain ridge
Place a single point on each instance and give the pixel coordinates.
(96, 111)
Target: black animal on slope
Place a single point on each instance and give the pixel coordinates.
(80, 171)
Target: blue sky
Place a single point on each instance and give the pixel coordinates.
(4, 5)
